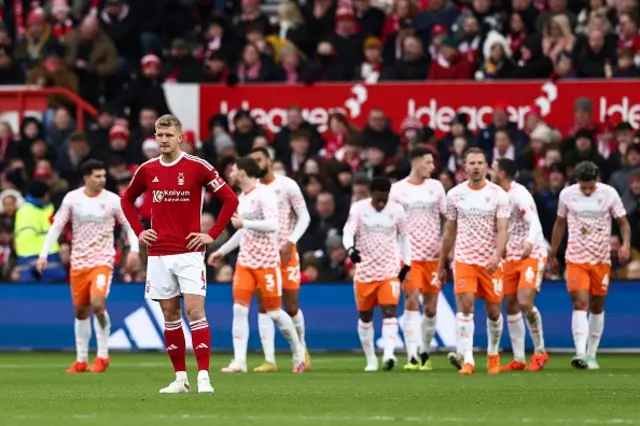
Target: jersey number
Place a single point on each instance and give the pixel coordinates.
(293, 274)
(395, 288)
(435, 279)
(529, 275)
(101, 282)
(497, 286)
(271, 282)
(605, 281)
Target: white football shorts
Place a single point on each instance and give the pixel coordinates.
(175, 275)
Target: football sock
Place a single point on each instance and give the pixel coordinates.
(411, 327)
(298, 323)
(515, 324)
(176, 347)
(494, 333)
(201, 336)
(428, 330)
(534, 322)
(102, 325)
(365, 332)
(389, 336)
(465, 327)
(580, 329)
(240, 331)
(83, 336)
(267, 337)
(285, 324)
(596, 327)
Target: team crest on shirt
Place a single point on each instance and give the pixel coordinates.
(180, 179)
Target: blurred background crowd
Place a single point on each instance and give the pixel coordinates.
(117, 54)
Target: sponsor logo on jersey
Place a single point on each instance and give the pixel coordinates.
(170, 196)
(180, 179)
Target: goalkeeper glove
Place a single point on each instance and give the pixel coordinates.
(354, 255)
(403, 272)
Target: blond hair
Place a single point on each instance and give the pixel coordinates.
(169, 120)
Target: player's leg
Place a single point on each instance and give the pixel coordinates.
(490, 289)
(411, 324)
(578, 284)
(388, 298)
(599, 275)
(267, 338)
(100, 286)
(465, 288)
(162, 286)
(80, 293)
(515, 321)
(430, 294)
(365, 295)
(530, 282)
(244, 287)
(291, 296)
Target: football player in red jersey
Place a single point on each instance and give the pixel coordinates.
(176, 181)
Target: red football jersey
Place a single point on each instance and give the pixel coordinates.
(176, 190)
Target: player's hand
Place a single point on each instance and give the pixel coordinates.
(555, 265)
(354, 255)
(494, 262)
(198, 240)
(442, 273)
(624, 254)
(133, 262)
(527, 248)
(211, 260)
(41, 263)
(236, 221)
(285, 253)
(148, 236)
(403, 272)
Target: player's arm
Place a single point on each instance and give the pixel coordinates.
(619, 213)
(269, 207)
(134, 245)
(232, 243)
(60, 220)
(349, 234)
(559, 228)
(127, 201)
(224, 193)
(502, 225)
(404, 242)
(449, 232)
(303, 219)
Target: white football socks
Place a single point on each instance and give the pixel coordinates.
(366, 334)
(428, 330)
(411, 328)
(103, 331)
(534, 322)
(515, 324)
(267, 337)
(298, 323)
(465, 328)
(82, 329)
(389, 336)
(494, 333)
(580, 329)
(240, 331)
(596, 327)
(285, 324)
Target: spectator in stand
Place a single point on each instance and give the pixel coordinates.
(327, 66)
(516, 33)
(120, 24)
(440, 12)
(620, 178)
(503, 147)
(291, 27)
(181, 66)
(294, 122)
(30, 49)
(292, 69)
(218, 48)
(628, 36)
(547, 198)
(593, 60)
(298, 151)
(631, 195)
(59, 129)
(337, 133)
(251, 15)
(458, 127)
(594, 8)
(145, 90)
(69, 161)
(455, 164)
(500, 121)
(351, 154)
(325, 220)
(532, 155)
(254, 67)
(626, 67)
(378, 132)
(583, 118)
(370, 19)
(62, 24)
(471, 39)
(334, 264)
(10, 71)
(346, 39)
(414, 64)
(563, 67)
(246, 129)
(585, 149)
(370, 69)
(527, 11)
(10, 202)
(450, 63)
(557, 37)
(94, 58)
(53, 72)
(623, 138)
(438, 34)
(488, 18)
(400, 10)
(320, 16)
(393, 49)
(143, 129)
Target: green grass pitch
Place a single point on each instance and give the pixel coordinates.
(35, 391)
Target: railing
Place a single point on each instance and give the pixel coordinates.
(26, 99)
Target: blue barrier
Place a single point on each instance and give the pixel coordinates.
(39, 317)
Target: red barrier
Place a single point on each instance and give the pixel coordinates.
(433, 103)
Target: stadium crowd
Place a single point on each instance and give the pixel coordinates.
(116, 54)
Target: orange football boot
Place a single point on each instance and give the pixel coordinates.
(514, 366)
(78, 367)
(467, 369)
(538, 361)
(493, 364)
(100, 365)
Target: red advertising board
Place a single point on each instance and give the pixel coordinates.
(433, 103)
